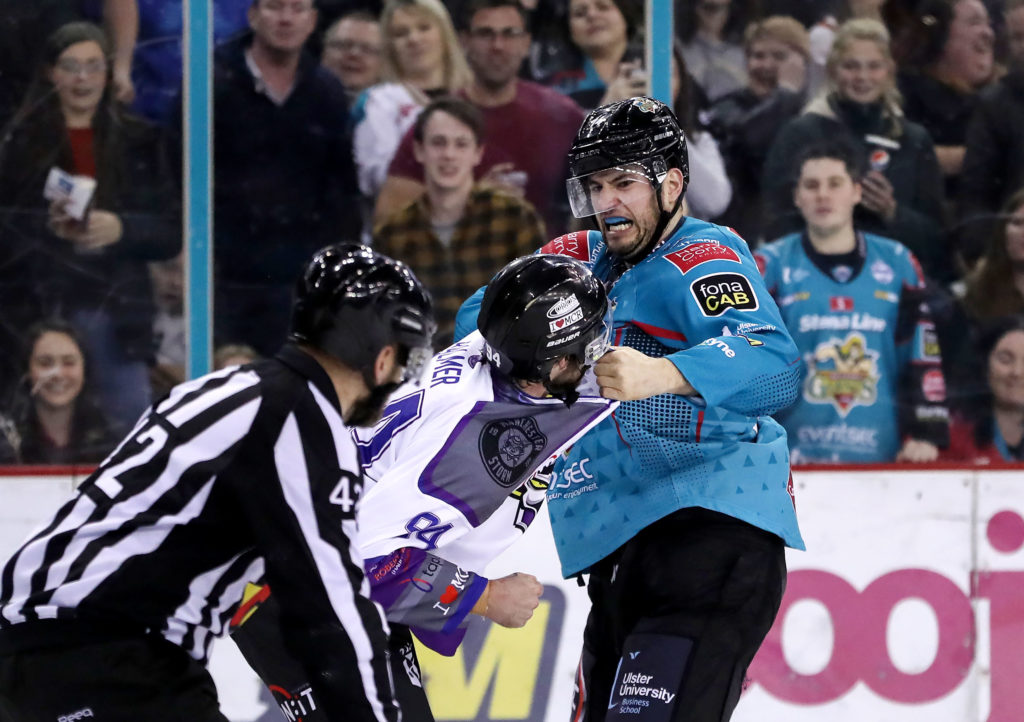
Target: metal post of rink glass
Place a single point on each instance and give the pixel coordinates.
(197, 58)
(658, 49)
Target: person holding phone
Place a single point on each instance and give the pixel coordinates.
(89, 269)
(902, 193)
(600, 60)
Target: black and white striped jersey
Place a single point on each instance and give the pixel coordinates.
(245, 474)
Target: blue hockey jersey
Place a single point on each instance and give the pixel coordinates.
(872, 355)
(698, 300)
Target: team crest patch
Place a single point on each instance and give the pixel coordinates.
(564, 313)
(511, 448)
(645, 104)
(843, 373)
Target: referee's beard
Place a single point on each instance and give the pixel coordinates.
(367, 410)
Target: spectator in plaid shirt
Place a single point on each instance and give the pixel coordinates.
(458, 233)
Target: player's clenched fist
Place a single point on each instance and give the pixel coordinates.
(512, 599)
(625, 374)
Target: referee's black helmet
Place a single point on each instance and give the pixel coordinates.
(352, 301)
(540, 308)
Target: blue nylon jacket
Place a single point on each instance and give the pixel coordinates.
(699, 300)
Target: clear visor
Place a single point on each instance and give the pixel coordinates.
(604, 190)
(602, 343)
(416, 363)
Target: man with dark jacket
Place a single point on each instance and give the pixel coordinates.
(284, 180)
(994, 160)
(746, 121)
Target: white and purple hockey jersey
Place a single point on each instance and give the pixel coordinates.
(455, 472)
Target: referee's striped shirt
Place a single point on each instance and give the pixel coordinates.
(244, 474)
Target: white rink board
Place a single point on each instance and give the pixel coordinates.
(909, 605)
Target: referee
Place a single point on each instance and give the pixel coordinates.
(250, 473)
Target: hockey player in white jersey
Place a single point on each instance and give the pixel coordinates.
(457, 469)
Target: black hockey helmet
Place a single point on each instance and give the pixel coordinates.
(638, 136)
(542, 307)
(352, 301)
(628, 131)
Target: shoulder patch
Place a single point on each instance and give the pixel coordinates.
(762, 262)
(574, 245)
(718, 292)
(510, 448)
(697, 253)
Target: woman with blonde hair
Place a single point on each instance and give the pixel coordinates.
(422, 60)
(902, 189)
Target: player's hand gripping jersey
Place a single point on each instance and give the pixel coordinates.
(698, 300)
(452, 481)
(872, 354)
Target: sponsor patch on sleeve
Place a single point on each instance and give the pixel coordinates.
(762, 262)
(718, 292)
(574, 245)
(933, 386)
(697, 253)
(930, 345)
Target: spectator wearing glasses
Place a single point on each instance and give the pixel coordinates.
(25, 25)
(352, 51)
(422, 60)
(528, 128)
(89, 268)
(711, 32)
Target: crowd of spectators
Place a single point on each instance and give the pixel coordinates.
(438, 129)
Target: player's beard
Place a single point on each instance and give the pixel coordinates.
(367, 410)
(565, 386)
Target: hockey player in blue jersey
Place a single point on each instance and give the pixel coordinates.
(680, 505)
(874, 390)
(457, 468)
